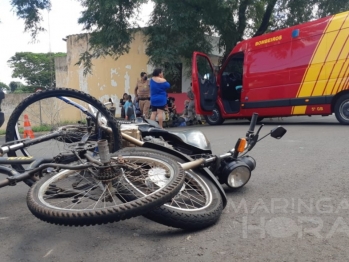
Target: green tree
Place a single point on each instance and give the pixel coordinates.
(4, 87)
(179, 27)
(25, 89)
(15, 85)
(36, 69)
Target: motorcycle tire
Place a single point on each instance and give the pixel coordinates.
(182, 212)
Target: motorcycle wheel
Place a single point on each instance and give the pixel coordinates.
(198, 204)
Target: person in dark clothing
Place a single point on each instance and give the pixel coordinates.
(171, 105)
(122, 103)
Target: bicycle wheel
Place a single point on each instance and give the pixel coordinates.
(198, 204)
(92, 196)
(48, 110)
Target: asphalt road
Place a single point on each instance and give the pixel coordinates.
(294, 208)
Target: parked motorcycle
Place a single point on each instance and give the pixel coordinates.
(202, 198)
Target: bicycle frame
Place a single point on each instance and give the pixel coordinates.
(13, 175)
(36, 165)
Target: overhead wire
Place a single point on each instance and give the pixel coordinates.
(50, 51)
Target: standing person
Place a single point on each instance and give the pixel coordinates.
(142, 92)
(158, 95)
(122, 103)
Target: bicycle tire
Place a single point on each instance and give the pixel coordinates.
(42, 202)
(46, 95)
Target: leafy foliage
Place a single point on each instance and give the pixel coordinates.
(178, 27)
(29, 10)
(173, 34)
(108, 24)
(3, 86)
(15, 85)
(25, 89)
(37, 69)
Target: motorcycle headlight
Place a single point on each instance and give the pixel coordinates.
(237, 174)
(248, 160)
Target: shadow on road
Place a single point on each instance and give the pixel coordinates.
(283, 123)
(286, 121)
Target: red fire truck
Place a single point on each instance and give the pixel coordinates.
(300, 70)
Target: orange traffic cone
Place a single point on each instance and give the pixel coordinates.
(28, 132)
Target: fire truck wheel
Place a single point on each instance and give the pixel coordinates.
(341, 109)
(216, 117)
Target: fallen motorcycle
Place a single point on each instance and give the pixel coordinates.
(138, 176)
(202, 199)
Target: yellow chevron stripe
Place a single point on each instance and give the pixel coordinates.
(306, 83)
(340, 81)
(337, 22)
(336, 60)
(318, 72)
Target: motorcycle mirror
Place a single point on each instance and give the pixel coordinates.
(278, 132)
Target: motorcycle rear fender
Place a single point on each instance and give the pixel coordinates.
(205, 170)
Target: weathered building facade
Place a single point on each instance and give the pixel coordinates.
(110, 78)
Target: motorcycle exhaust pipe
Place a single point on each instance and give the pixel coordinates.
(125, 136)
(193, 164)
(132, 139)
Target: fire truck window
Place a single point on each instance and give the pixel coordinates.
(231, 80)
(234, 67)
(207, 84)
(204, 68)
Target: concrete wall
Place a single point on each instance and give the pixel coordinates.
(9, 104)
(48, 111)
(61, 70)
(110, 78)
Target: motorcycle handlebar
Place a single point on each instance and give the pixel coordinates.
(253, 122)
